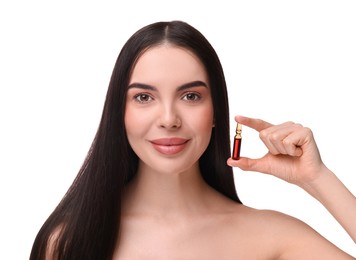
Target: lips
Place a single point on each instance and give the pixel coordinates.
(169, 146)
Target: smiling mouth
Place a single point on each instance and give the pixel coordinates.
(169, 146)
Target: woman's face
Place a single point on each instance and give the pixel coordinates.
(169, 110)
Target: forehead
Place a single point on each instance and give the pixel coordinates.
(168, 61)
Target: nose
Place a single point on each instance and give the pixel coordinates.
(169, 117)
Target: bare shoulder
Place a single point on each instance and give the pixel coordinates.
(280, 235)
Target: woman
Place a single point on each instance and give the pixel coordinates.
(155, 183)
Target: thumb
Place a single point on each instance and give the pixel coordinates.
(248, 164)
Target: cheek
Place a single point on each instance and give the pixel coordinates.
(202, 120)
(133, 122)
(129, 120)
(206, 116)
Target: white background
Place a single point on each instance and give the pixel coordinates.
(284, 60)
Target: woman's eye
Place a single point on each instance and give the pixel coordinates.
(143, 98)
(192, 97)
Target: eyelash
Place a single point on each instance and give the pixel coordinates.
(138, 97)
(197, 96)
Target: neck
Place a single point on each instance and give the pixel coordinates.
(167, 193)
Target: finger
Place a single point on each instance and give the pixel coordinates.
(276, 137)
(248, 164)
(253, 123)
(291, 147)
(295, 142)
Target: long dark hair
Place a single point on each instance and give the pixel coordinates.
(87, 220)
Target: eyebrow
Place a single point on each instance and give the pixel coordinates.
(188, 85)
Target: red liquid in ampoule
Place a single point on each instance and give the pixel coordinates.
(237, 148)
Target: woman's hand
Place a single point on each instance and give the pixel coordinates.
(292, 152)
(294, 157)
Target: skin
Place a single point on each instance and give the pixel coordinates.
(169, 212)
